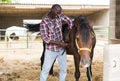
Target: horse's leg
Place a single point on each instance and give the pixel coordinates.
(6, 39)
(77, 63)
(42, 60)
(89, 73)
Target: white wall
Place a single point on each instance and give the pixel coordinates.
(91, 2)
(111, 59)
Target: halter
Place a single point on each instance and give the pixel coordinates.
(81, 49)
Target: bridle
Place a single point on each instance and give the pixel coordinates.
(84, 48)
(81, 49)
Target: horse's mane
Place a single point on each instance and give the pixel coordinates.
(84, 28)
(80, 24)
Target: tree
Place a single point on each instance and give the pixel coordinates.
(5, 1)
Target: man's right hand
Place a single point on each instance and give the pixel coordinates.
(62, 44)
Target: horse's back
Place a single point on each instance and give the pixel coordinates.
(19, 31)
(16, 28)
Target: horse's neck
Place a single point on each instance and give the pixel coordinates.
(72, 37)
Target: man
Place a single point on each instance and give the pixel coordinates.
(51, 33)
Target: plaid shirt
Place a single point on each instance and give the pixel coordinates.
(51, 29)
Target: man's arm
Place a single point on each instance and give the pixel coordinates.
(44, 32)
(67, 20)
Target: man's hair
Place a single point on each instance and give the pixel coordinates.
(56, 7)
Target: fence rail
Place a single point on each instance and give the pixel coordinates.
(102, 34)
(24, 42)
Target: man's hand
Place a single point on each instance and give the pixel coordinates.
(62, 44)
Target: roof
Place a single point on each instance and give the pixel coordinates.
(14, 9)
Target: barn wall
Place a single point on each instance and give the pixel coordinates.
(112, 18)
(7, 21)
(117, 28)
(114, 21)
(100, 18)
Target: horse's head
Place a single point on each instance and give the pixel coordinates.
(84, 40)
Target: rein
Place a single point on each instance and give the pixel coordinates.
(80, 49)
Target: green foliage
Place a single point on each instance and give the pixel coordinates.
(5, 1)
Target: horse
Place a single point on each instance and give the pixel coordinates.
(18, 33)
(82, 41)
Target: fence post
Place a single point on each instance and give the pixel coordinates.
(27, 40)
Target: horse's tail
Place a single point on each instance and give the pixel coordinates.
(6, 39)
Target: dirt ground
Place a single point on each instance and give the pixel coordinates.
(22, 64)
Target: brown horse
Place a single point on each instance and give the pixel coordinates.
(82, 41)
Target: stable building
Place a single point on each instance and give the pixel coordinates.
(14, 14)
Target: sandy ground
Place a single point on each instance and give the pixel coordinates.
(22, 64)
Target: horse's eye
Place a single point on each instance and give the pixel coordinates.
(78, 38)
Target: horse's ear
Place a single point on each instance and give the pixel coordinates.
(91, 24)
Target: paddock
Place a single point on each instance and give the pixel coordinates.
(22, 59)
(17, 64)
(23, 64)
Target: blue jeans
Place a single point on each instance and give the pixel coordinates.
(50, 56)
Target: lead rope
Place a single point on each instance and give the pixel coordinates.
(79, 49)
(89, 73)
(89, 68)
(63, 51)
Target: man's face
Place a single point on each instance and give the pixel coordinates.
(56, 13)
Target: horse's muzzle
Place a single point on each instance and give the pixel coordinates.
(85, 62)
